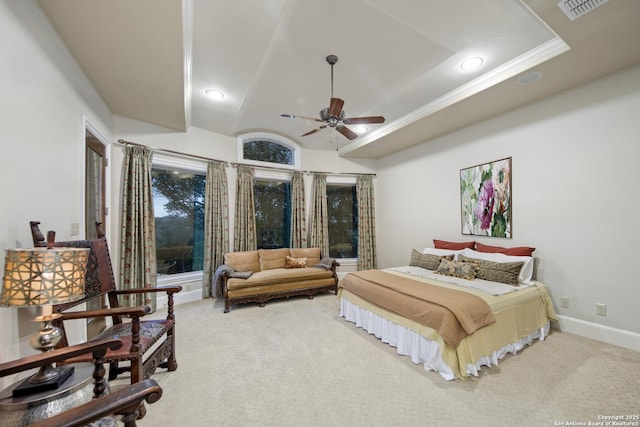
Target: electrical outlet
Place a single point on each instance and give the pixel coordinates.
(601, 309)
(564, 302)
(74, 229)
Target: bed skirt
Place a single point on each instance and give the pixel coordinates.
(422, 350)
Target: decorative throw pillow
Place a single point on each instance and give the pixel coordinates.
(503, 272)
(526, 274)
(295, 262)
(515, 251)
(312, 254)
(428, 261)
(443, 244)
(464, 270)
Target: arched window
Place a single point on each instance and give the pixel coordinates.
(266, 148)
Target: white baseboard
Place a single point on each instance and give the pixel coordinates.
(607, 334)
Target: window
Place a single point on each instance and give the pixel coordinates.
(265, 148)
(272, 194)
(178, 197)
(267, 151)
(342, 209)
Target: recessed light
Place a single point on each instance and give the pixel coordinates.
(529, 78)
(361, 129)
(214, 94)
(471, 63)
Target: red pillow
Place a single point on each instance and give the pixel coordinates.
(517, 251)
(452, 246)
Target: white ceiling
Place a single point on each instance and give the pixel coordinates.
(153, 60)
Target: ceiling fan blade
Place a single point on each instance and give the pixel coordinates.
(314, 130)
(335, 107)
(364, 120)
(293, 116)
(346, 132)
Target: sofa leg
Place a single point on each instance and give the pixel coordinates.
(261, 304)
(310, 296)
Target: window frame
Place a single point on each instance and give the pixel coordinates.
(187, 165)
(276, 139)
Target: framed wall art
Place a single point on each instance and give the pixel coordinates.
(485, 199)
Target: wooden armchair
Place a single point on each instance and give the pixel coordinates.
(138, 336)
(125, 402)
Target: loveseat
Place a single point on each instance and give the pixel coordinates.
(265, 274)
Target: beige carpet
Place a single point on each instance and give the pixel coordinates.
(296, 363)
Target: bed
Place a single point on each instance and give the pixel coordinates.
(486, 320)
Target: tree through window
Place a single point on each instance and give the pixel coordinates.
(342, 209)
(273, 213)
(178, 198)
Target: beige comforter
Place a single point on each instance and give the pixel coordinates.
(453, 314)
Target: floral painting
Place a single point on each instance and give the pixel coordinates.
(485, 196)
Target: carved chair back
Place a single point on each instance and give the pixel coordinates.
(99, 279)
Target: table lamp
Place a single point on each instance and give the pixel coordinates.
(43, 277)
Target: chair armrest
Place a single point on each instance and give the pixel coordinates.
(97, 347)
(118, 311)
(169, 289)
(122, 402)
(222, 276)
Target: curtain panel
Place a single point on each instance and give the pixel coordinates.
(137, 233)
(298, 215)
(367, 258)
(244, 235)
(216, 225)
(319, 217)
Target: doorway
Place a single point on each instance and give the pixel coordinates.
(95, 211)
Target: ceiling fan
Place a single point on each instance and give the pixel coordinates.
(334, 116)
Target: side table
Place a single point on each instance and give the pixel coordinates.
(25, 410)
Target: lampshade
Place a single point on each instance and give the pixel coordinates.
(41, 276)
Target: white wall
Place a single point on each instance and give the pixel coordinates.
(576, 188)
(44, 101)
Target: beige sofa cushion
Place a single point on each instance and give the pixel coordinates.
(243, 261)
(281, 275)
(273, 258)
(311, 254)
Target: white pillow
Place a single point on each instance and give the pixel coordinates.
(526, 273)
(442, 252)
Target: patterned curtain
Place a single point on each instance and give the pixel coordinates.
(137, 234)
(216, 224)
(244, 230)
(298, 217)
(319, 233)
(367, 258)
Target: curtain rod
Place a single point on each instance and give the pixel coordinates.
(235, 164)
(177, 153)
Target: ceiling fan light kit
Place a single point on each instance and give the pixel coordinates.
(334, 116)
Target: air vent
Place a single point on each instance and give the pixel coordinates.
(576, 8)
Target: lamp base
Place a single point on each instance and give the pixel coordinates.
(26, 387)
